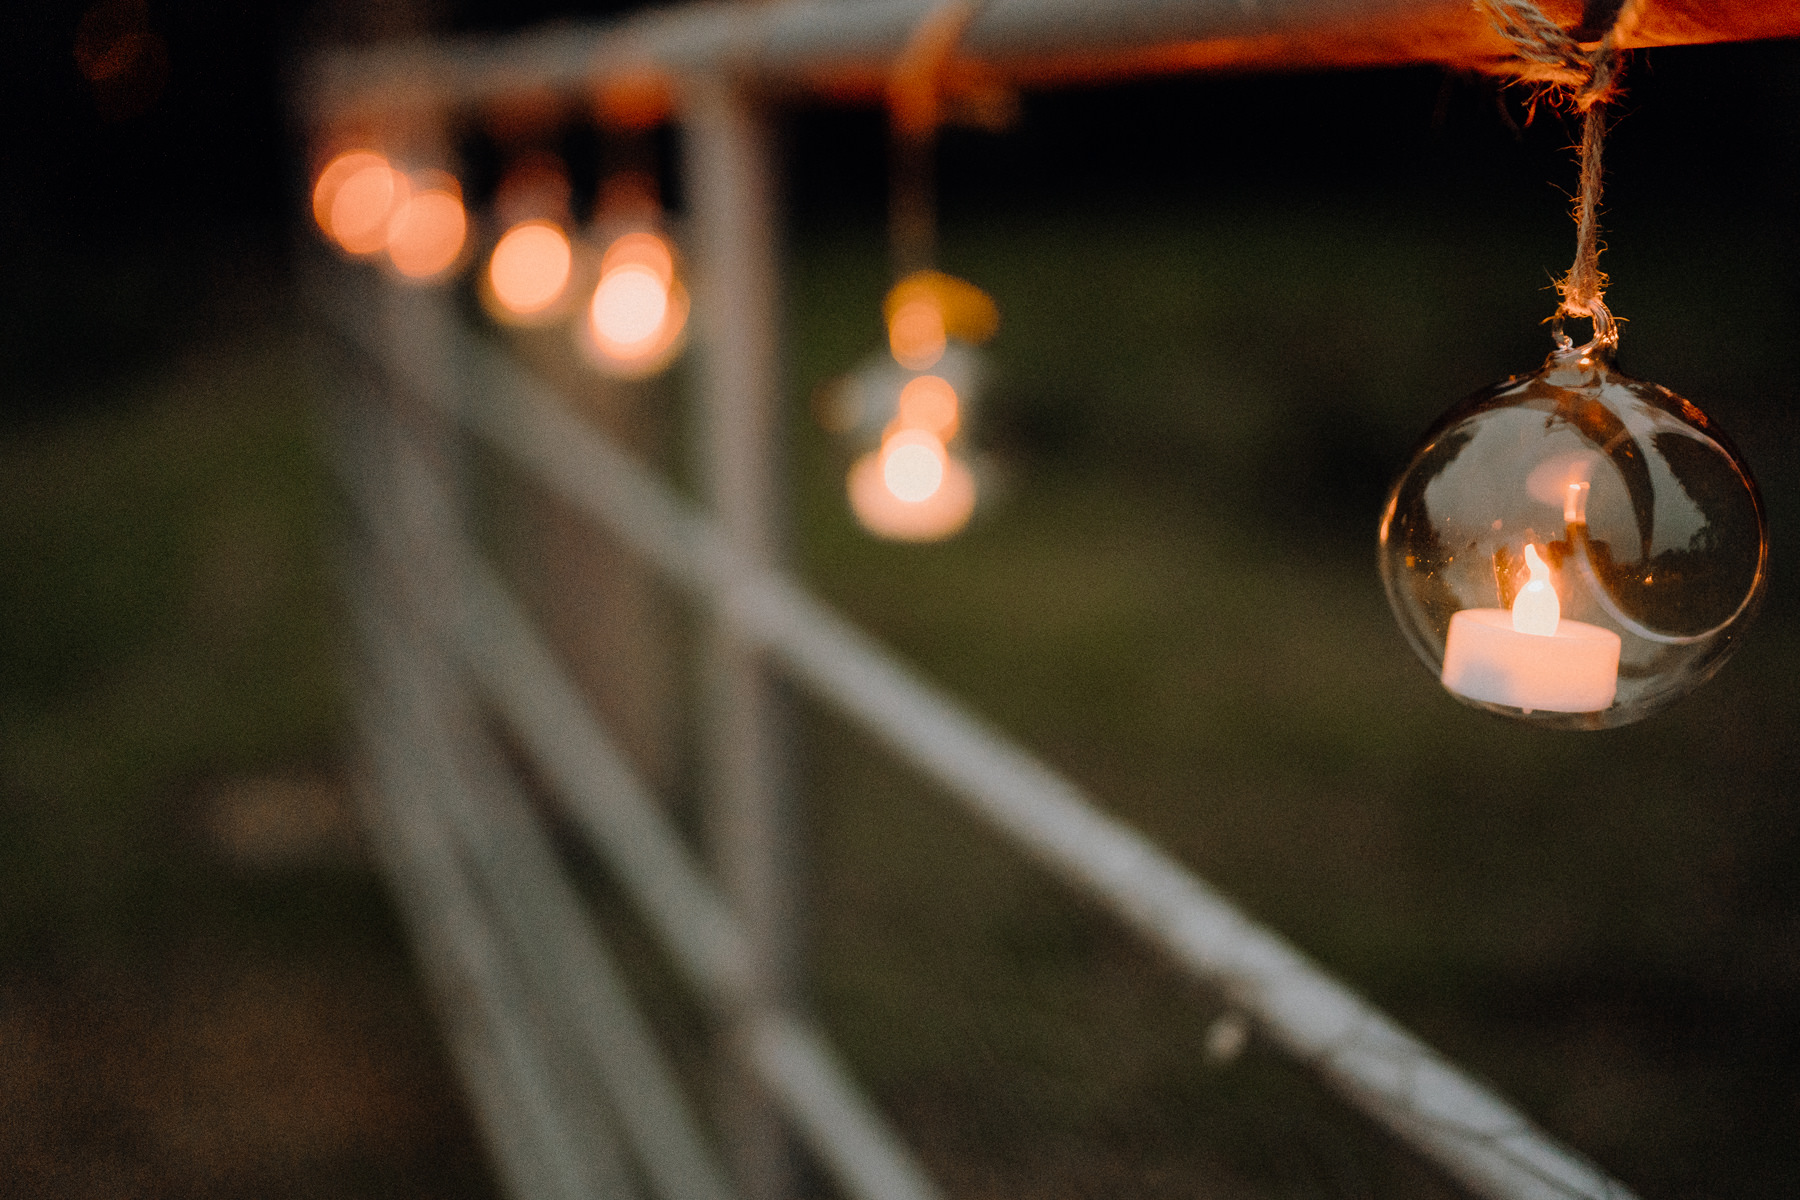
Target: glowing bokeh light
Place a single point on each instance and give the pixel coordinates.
(911, 489)
(928, 403)
(426, 233)
(332, 178)
(642, 250)
(912, 466)
(364, 206)
(639, 309)
(530, 267)
(968, 313)
(916, 334)
(629, 307)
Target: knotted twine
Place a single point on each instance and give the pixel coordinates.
(1552, 58)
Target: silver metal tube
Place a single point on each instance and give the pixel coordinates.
(730, 176)
(836, 46)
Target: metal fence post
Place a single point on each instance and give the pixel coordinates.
(730, 176)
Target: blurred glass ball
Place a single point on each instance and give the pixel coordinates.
(1647, 545)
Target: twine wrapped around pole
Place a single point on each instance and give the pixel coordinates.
(1559, 62)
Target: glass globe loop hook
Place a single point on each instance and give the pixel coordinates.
(1606, 332)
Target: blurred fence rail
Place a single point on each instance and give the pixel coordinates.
(575, 1097)
(846, 48)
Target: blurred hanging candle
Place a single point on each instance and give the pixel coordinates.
(428, 228)
(637, 316)
(530, 274)
(911, 489)
(1574, 547)
(354, 200)
(910, 408)
(927, 308)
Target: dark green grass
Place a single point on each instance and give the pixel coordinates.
(163, 620)
(170, 1022)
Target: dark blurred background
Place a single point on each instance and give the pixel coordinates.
(1229, 305)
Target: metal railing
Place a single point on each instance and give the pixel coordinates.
(575, 1098)
(434, 619)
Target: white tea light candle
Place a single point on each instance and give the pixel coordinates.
(1530, 658)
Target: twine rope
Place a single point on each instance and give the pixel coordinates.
(1554, 59)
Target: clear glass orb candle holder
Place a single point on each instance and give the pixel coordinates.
(1574, 547)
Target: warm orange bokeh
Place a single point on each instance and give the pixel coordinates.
(639, 308)
(967, 313)
(332, 178)
(916, 334)
(928, 403)
(639, 99)
(629, 308)
(426, 233)
(364, 205)
(640, 249)
(911, 490)
(912, 465)
(530, 267)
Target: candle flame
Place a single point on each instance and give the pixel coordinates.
(916, 334)
(1537, 609)
(639, 308)
(912, 465)
(530, 267)
(912, 489)
(426, 233)
(928, 402)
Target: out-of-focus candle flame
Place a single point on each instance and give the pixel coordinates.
(331, 180)
(1536, 609)
(363, 206)
(912, 465)
(928, 402)
(639, 309)
(927, 308)
(629, 307)
(916, 334)
(641, 249)
(427, 230)
(911, 489)
(530, 267)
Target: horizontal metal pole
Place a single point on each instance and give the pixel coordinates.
(844, 48)
(1453, 1120)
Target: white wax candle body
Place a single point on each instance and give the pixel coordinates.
(1575, 669)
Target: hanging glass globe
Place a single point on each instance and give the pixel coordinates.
(906, 411)
(1574, 547)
